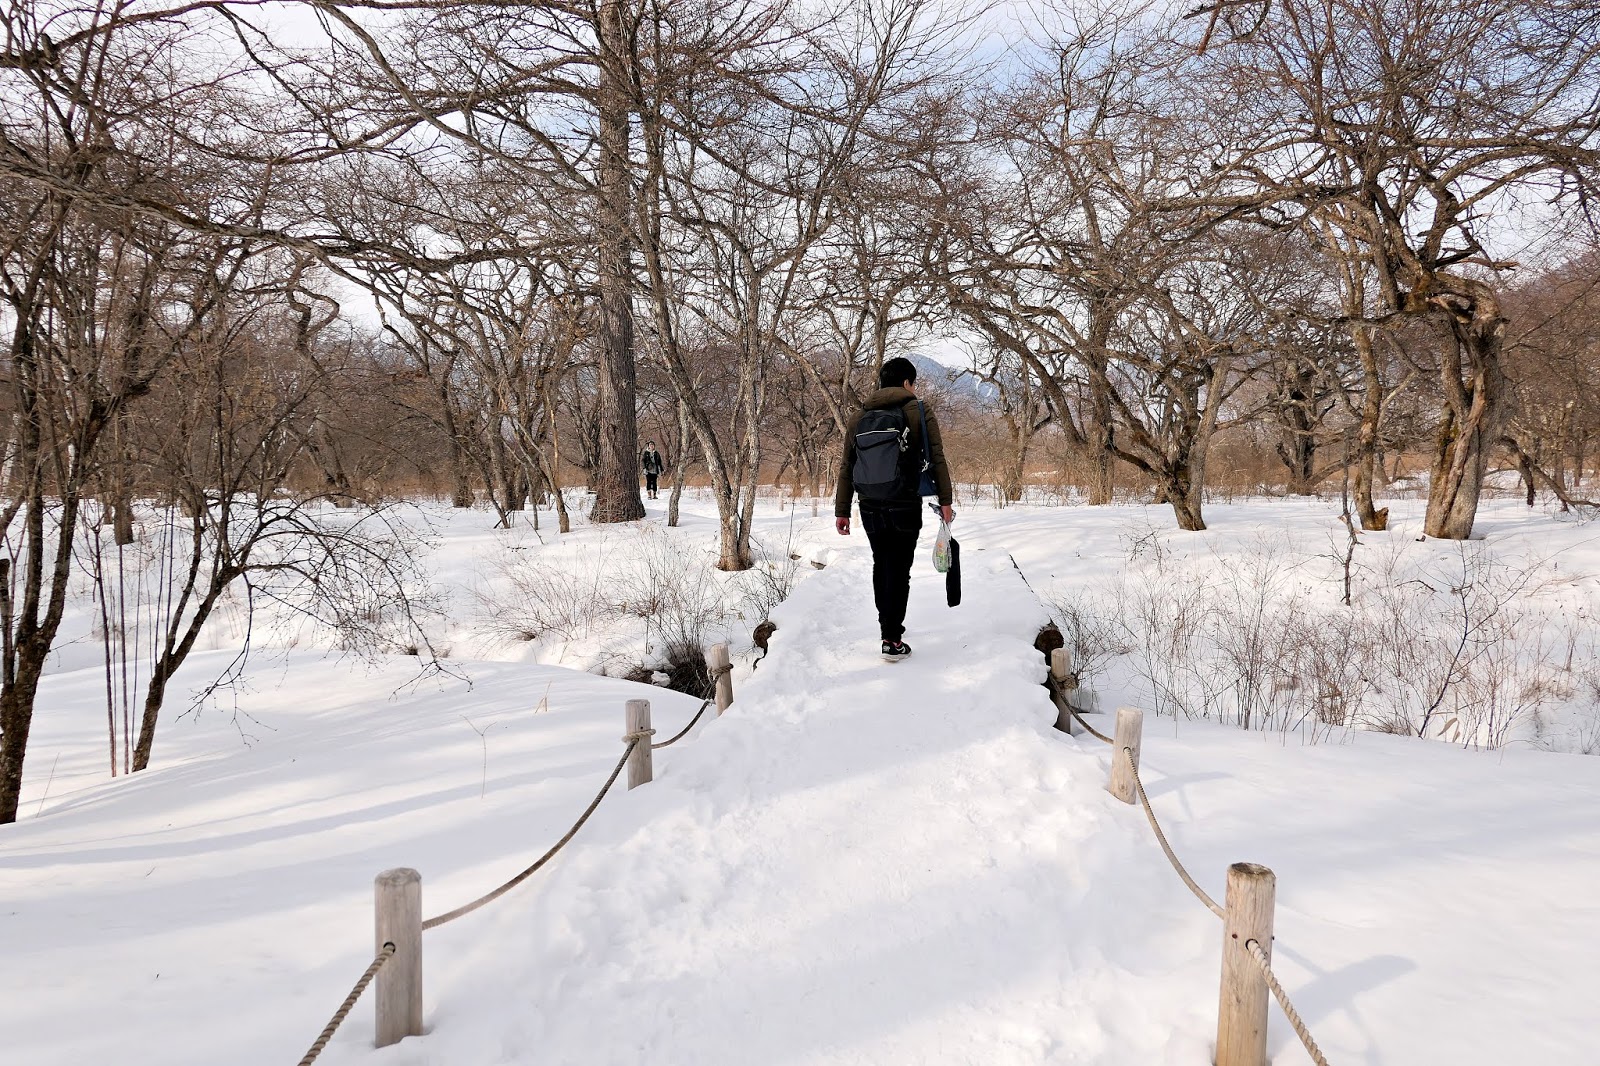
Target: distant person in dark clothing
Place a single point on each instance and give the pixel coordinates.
(650, 460)
(891, 513)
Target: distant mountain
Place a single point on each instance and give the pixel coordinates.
(952, 379)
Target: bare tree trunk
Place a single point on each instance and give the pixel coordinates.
(615, 481)
(1525, 471)
(752, 387)
(680, 464)
(44, 600)
(179, 639)
(122, 517)
(1183, 491)
(1016, 464)
(1102, 470)
(16, 718)
(1477, 406)
(117, 481)
(563, 516)
(1298, 448)
(334, 479)
(1366, 451)
(501, 477)
(552, 471)
(1186, 483)
(461, 494)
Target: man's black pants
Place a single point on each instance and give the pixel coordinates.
(650, 483)
(893, 533)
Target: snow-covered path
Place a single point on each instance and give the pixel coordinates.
(860, 863)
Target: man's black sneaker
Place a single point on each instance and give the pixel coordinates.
(895, 650)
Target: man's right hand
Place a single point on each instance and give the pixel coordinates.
(842, 525)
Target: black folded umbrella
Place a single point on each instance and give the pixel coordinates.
(952, 577)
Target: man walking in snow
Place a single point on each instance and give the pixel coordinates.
(650, 459)
(892, 457)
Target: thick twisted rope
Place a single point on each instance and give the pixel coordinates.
(468, 908)
(1253, 946)
(1194, 886)
(1092, 730)
(384, 955)
(1065, 702)
(685, 730)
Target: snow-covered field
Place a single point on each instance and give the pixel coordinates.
(861, 863)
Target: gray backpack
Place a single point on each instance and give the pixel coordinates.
(884, 469)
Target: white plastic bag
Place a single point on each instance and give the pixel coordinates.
(941, 548)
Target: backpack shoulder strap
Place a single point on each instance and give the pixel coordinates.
(922, 425)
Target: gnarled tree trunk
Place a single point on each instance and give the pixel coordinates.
(1477, 405)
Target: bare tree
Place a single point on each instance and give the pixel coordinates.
(100, 296)
(750, 182)
(1409, 128)
(228, 430)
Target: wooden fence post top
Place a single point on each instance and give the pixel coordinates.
(1251, 870)
(399, 877)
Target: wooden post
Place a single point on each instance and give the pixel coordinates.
(640, 768)
(1064, 684)
(1242, 1014)
(721, 669)
(1130, 725)
(397, 990)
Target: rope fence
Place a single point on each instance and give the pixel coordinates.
(399, 892)
(1161, 838)
(685, 730)
(1260, 956)
(1092, 731)
(489, 897)
(384, 955)
(1242, 1029)
(1233, 1048)
(1062, 694)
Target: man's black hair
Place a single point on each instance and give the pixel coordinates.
(897, 372)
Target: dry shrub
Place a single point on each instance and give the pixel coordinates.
(770, 581)
(1458, 648)
(542, 597)
(651, 574)
(675, 588)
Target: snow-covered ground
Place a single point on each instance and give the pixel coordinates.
(860, 863)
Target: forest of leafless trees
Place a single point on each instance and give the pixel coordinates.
(266, 268)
